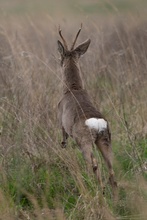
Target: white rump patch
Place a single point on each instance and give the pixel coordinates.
(98, 124)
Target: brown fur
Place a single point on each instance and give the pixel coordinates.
(75, 107)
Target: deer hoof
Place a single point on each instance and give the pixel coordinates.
(94, 168)
(63, 144)
(112, 182)
(104, 190)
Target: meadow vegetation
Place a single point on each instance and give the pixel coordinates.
(39, 179)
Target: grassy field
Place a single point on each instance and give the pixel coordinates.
(38, 179)
(66, 7)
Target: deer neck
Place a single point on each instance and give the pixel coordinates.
(71, 77)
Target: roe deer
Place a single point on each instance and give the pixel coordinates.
(78, 117)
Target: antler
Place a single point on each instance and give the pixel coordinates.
(64, 42)
(72, 47)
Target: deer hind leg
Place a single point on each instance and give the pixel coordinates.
(106, 150)
(91, 162)
(65, 137)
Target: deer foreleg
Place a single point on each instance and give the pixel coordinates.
(65, 137)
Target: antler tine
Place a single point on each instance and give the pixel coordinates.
(72, 47)
(64, 42)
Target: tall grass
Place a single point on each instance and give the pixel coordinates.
(39, 179)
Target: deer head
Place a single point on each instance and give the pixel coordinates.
(67, 54)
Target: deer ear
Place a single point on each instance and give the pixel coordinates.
(61, 48)
(82, 48)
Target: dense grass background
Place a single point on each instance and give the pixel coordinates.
(39, 179)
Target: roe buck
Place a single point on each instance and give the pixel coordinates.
(78, 117)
